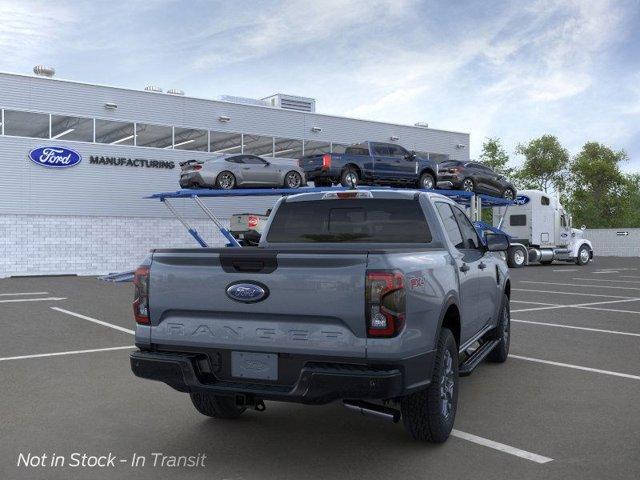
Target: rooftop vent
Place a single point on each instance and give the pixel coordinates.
(44, 71)
(422, 124)
(153, 88)
(175, 91)
(292, 102)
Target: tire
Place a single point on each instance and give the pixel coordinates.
(349, 178)
(225, 180)
(427, 182)
(516, 257)
(423, 412)
(292, 179)
(216, 406)
(509, 194)
(583, 255)
(503, 331)
(468, 185)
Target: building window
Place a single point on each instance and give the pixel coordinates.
(190, 139)
(157, 136)
(26, 124)
(72, 128)
(287, 148)
(258, 145)
(312, 147)
(224, 142)
(114, 133)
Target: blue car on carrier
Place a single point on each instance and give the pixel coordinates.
(371, 163)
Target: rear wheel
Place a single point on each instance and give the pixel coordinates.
(429, 414)
(516, 257)
(226, 180)
(427, 182)
(292, 179)
(216, 406)
(468, 185)
(349, 178)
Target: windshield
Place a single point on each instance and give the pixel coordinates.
(369, 220)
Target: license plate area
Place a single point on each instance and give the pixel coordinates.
(256, 366)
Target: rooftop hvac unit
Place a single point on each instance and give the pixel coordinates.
(292, 102)
(244, 100)
(153, 88)
(44, 71)
(175, 91)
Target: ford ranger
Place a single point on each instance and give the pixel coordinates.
(377, 298)
(370, 163)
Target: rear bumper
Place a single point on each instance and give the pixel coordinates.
(317, 383)
(188, 180)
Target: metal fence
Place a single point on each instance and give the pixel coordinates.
(615, 242)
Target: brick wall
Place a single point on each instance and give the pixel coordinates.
(608, 243)
(41, 245)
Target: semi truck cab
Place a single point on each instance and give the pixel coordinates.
(541, 231)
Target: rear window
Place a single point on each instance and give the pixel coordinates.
(357, 150)
(370, 220)
(450, 163)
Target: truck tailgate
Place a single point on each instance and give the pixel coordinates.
(314, 305)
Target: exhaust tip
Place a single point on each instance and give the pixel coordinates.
(367, 409)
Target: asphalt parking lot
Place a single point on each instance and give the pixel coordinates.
(565, 405)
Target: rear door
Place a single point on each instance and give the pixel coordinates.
(383, 162)
(313, 303)
(467, 258)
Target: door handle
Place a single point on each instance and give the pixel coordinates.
(482, 266)
(246, 168)
(464, 267)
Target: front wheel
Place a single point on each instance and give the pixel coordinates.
(292, 179)
(429, 414)
(216, 406)
(500, 352)
(427, 182)
(468, 185)
(516, 257)
(583, 255)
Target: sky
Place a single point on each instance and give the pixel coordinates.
(513, 70)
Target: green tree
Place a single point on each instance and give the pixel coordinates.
(600, 193)
(632, 214)
(545, 164)
(495, 156)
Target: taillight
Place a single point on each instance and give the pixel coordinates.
(197, 167)
(141, 295)
(385, 303)
(326, 160)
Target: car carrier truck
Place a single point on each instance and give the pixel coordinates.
(541, 231)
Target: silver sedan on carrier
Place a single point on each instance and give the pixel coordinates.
(241, 170)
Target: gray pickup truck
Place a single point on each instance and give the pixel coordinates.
(378, 298)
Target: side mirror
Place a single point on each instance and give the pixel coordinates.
(410, 156)
(583, 227)
(496, 242)
(267, 164)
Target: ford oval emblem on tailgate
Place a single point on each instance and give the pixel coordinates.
(247, 292)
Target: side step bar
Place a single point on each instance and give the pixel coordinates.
(466, 368)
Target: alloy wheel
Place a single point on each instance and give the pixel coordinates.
(226, 181)
(293, 180)
(467, 185)
(447, 384)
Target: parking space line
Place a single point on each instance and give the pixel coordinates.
(606, 280)
(629, 276)
(581, 285)
(576, 367)
(533, 303)
(94, 320)
(485, 442)
(47, 299)
(607, 309)
(71, 352)
(578, 305)
(559, 325)
(22, 293)
(567, 270)
(570, 293)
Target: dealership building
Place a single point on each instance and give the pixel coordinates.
(91, 217)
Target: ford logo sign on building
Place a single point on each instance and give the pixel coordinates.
(247, 292)
(55, 157)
